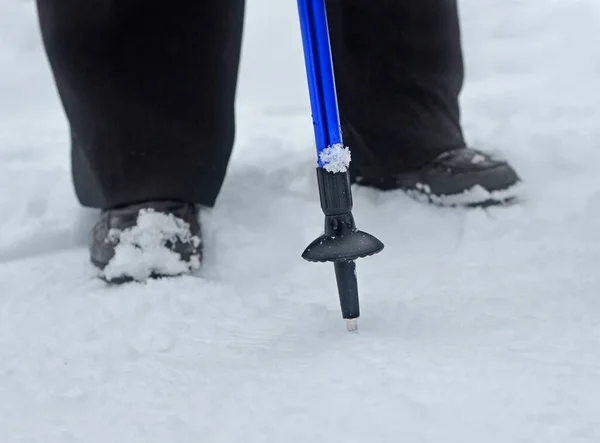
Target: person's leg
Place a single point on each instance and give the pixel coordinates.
(148, 88)
(399, 73)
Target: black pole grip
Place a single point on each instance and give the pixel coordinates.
(335, 192)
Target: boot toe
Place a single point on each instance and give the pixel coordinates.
(146, 241)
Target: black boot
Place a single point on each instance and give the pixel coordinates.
(148, 240)
(461, 177)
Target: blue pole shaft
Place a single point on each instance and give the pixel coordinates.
(319, 70)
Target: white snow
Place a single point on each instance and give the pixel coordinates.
(335, 158)
(477, 325)
(143, 250)
(477, 159)
(473, 196)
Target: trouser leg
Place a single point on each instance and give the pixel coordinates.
(399, 72)
(148, 88)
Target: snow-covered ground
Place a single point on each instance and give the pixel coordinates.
(478, 325)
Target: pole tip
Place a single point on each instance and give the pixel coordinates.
(352, 324)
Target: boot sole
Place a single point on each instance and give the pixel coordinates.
(508, 196)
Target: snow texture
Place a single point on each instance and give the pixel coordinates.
(474, 196)
(477, 326)
(143, 250)
(335, 158)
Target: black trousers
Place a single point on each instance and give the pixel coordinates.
(149, 87)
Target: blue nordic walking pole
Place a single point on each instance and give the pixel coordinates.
(341, 242)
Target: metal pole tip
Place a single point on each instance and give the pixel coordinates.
(352, 324)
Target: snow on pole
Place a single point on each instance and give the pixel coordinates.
(341, 242)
